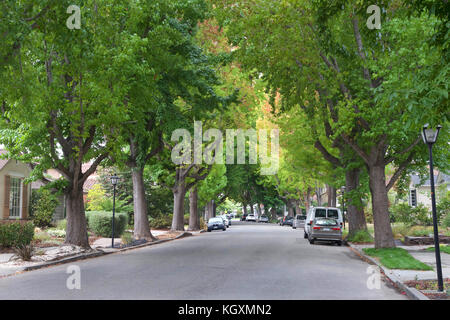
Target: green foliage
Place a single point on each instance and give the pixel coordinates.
(97, 200)
(62, 224)
(446, 221)
(443, 248)
(127, 238)
(443, 209)
(362, 236)
(56, 233)
(162, 221)
(44, 208)
(419, 215)
(16, 234)
(100, 222)
(397, 258)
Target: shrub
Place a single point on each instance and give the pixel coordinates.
(127, 238)
(56, 233)
(419, 215)
(162, 221)
(360, 236)
(44, 208)
(99, 222)
(186, 219)
(24, 251)
(61, 225)
(16, 234)
(446, 221)
(203, 225)
(443, 209)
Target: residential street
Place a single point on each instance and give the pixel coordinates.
(248, 261)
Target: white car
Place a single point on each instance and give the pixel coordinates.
(251, 217)
(226, 222)
(321, 212)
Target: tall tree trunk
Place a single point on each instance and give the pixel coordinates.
(211, 209)
(193, 210)
(290, 208)
(298, 210)
(355, 211)
(308, 199)
(76, 230)
(319, 197)
(244, 207)
(141, 224)
(273, 212)
(252, 211)
(331, 193)
(179, 193)
(380, 207)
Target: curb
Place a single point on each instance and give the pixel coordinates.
(100, 253)
(65, 260)
(412, 293)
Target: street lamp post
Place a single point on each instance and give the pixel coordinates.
(429, 137)
(343, 205)
(114, 180)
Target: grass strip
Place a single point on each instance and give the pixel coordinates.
(396, 258)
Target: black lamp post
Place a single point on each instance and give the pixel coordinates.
(343, 206)
(429, 137)
(114, 180)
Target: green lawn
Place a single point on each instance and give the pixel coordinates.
(396, 258)
(444, 248)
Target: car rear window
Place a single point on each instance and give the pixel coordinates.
(321, 213)
(325, 222)
(332, 213)
(215, 220)
(301, 217)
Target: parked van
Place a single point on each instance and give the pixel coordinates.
(321, 212)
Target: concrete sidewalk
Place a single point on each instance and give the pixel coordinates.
(420, 253)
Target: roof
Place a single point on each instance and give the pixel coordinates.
(439, 179)
(3, 162)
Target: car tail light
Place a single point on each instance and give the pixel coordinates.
(336, 229)
(316, 228)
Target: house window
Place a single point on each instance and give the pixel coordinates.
(413, 198)
(15, 198)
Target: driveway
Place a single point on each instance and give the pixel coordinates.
(248, 261)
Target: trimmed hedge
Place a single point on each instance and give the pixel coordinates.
(162, 221)
(99, 222)
(16, 234)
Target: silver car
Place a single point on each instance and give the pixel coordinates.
(263, 219)
(325, 229)
(299, 221)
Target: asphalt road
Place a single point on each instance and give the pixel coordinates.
(248, 261)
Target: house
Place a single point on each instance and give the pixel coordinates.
(14, 193)
(420, 191)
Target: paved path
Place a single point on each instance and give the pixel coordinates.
(248, 261)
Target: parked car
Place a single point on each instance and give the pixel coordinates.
(287, 220)
(251, 217)
(216, 223)
(299, 221)
(321, 212)
(226, 221)
(244, 217)
(325, 229)
(264, 219)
